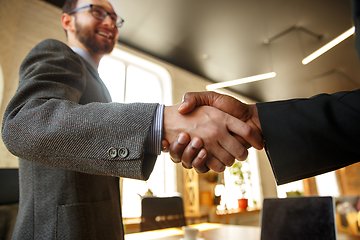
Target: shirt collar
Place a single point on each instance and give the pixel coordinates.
(82, 53)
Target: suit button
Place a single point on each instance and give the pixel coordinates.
(112, 152)
(123, 152)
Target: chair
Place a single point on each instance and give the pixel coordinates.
(161, 212)
(298, 218)
(347, 208)
(9, 186)
(9, 201)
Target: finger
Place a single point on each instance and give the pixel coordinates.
(188, 104)
(199, 163)
(234, 148)
(241, 140)
(223, 154)
(246, 132)
(176, 149)
(191, 151)
(225, 147)
(194, 99)
(215, 164)
(165, 146)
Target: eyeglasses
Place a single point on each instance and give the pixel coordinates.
(100, 13)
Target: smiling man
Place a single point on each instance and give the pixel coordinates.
(91, 27)
(73, 144)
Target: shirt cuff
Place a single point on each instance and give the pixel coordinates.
(154, 138)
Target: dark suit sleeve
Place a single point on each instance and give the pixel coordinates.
(307, 137)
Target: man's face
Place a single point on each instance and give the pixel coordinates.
(98, 36)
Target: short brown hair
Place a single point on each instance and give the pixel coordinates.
(69, 5)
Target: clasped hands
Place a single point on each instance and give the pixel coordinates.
(210, 130)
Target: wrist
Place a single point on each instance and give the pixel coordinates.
(170, 116)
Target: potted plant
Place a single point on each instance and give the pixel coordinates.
(241, 177)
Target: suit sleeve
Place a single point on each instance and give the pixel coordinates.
(45, 122)
(307, 137)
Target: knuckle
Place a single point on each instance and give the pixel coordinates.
(243, 154)
(198, 164)
(216, 165)
(185, 165)
(214, 131)
(196, 143)
(247, 130)
(175, 160)
(225, 157)
(175, 157)
(202, 169)
(219, 168)
(230, 162)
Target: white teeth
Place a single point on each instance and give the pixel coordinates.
(104, 34)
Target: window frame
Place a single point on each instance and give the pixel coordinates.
(129, 59)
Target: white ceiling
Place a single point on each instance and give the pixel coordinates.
(231, 34)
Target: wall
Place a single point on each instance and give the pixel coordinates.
(267, 180)
(24, 23)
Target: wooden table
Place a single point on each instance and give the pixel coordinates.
(192, 218)
(225, 215)
(212, 231)
(208, 231)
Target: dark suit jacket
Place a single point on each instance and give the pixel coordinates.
(61, 126)
(307, 137)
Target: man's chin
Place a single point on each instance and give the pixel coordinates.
(105, 48)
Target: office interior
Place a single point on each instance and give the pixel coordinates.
(190, 45)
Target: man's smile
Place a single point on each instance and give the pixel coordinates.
(105, 33)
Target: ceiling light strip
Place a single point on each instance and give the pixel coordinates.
(328, 46)
(241, 81)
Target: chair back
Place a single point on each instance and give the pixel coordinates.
(298, 218)
(161, 212)
(9, 186)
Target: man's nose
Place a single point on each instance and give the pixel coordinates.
(109, 21)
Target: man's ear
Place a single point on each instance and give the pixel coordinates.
(67, 21)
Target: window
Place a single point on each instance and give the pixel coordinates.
(112, 72)
(232, 192)
(326, 185)
(132, 79)
(296, 188)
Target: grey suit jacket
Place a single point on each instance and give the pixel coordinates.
(61, 126)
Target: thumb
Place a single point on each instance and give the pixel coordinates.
(188, 104)
(195, 99)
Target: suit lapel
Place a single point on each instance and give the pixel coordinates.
(96, 76)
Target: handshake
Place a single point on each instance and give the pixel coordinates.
(210, 130)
